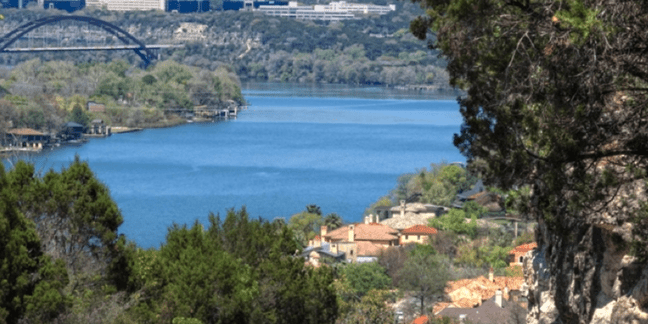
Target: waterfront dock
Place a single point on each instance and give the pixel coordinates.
(124, 129)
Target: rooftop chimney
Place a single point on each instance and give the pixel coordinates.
(498, 298)
(351, 233)
(323, 231)
(402, 208)
(366, 219)
(334, 248)
(491, 275)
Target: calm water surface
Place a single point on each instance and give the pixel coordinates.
(339, 147)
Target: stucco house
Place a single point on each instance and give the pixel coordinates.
(318, 252)
(408, 214)
(360, 242)
(517, 254)
(420, 234)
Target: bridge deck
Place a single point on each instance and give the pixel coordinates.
(89, 48)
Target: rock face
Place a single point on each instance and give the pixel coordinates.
(587, 274)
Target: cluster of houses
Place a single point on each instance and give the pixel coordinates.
(27, 139)
(478, 300)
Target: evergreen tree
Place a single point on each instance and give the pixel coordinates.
(237, 271)
(424, 276)
(30, 283)
(76, 218)
(79, 116)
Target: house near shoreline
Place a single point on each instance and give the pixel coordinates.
(72, 131)
(26, 138)
(363, 242)
(98, 127)
(360, 242)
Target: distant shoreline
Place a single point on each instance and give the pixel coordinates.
(7, 152)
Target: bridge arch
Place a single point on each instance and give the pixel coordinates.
(145, 53)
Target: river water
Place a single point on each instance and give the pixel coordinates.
(339, 147)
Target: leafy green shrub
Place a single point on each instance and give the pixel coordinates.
(363, 277)
(455, 221)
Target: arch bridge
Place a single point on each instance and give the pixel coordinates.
(147, 53)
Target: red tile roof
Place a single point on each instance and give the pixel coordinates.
(364, 232)
(25, 131)
(366, 248)
(420, 320)
(477, 289)
(524, 248)
(420, 229)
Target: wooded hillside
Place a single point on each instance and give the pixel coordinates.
(372, 50)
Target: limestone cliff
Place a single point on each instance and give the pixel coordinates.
(588, 273)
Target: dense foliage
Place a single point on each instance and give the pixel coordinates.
(439, 186)
(421, 281)
(43, 95)
(235, 271)
(363, 277)
(74, 214)
(62, 258)
(555, 95)
(31, 283)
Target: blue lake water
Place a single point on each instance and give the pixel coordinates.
(339, 147)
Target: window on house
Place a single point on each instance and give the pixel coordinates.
(406, 237)
(418, 237)
(521, 259)
(351, 252)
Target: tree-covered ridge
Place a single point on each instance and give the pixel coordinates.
(43, 95)
(373, 50)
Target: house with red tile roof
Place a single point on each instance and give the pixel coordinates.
(517, 254)
(420, 234)
(481, 299)
(361, 242)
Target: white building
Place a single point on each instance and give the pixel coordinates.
(304, 12)
(128, 5)
(343, 6)
(333, 11)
